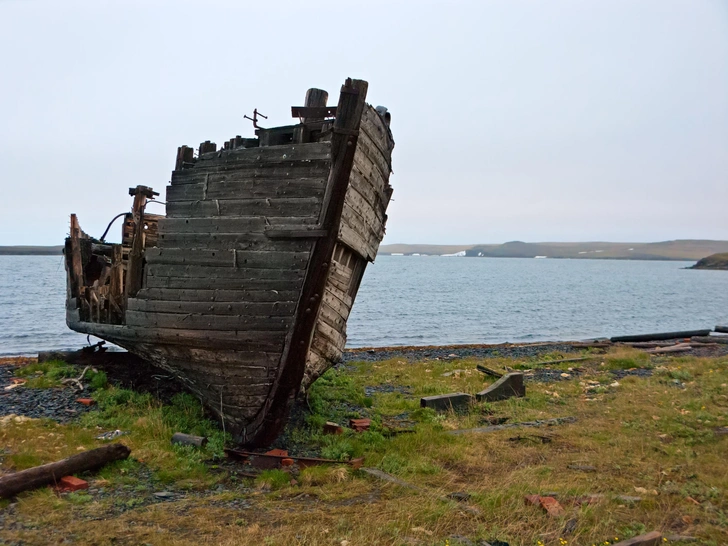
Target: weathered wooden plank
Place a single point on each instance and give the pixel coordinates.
(336, 304)
(208, 172)
(217, 283)
(231, 339)
(212, 273)
(337, 338)
(356, 241)
(245, 224)
(257, 309)
(374, 214)
(234, 259)
(332, 318)
(297, 207)
(267, 156)
(234, 186)
(237, 241)
(192, 321)
(177, 294)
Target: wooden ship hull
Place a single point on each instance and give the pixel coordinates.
(243, 289)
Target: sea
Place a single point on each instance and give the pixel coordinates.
(437, 300)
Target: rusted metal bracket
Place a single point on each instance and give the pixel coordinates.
(254, 119)
(277, 458)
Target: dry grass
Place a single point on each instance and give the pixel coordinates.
(650, 437)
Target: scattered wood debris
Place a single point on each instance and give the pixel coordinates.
(188, 440)
(508, 386)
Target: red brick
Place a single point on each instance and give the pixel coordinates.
(552, 506)
(86, 401)
(277, 452)
(286, 462)
(532, 500)
(332, 428)
(72, 483)
(360, 425)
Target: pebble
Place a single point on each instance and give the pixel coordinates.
(58, 404)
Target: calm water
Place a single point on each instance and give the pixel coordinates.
(430, 300)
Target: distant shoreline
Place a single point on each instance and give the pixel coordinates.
(56, 250)
(678, 250)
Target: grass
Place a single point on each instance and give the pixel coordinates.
(646, 436)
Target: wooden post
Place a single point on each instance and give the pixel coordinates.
(188, 439)
(185, 155)
(116, 286)
(207, 146)
(136, 254)
(315, 98)
(76, 271)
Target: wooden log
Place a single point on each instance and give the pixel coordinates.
(188, 440)
(722, 329)
(710, 339)
(488, 371)
(662, 336)
(681, 348)
(51, 473)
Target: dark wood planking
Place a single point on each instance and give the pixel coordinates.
(233, 339)
(239, 241)
(234, 259)
(292, 208)
(194, 321)
(258, 309)
(208, 173)
(218, 283)
(252, 296)
(244, 224)
(247, 188)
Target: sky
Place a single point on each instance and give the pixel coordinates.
(565, 120)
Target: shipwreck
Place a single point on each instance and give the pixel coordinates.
(243, 289)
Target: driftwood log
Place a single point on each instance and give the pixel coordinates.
(681, 348)
(50, 473)
(710, 339)
(663, 335)
(188, 440)
(722, 329)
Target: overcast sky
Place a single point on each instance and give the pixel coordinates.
(529, 120)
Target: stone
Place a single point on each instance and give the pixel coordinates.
(72, 483)
(164, 495)
(445, 402)
(508, 386)
(650, 539)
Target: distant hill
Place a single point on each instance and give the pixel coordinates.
(31, 250)
(686, 250)
(714, 261)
